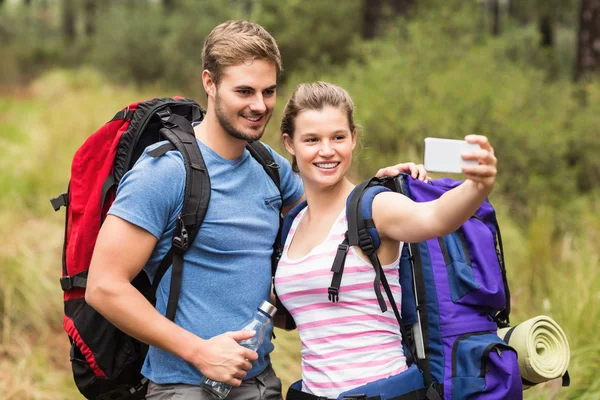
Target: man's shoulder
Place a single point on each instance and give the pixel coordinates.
(171, 161)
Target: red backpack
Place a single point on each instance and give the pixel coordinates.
(107, 362)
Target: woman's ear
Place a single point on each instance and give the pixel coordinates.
(354, 133)
(288, 143)
(208, 83)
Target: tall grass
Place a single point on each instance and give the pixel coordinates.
(552, 260)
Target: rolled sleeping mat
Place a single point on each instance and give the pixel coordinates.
(542, 348)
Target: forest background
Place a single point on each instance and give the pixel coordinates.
(526, 73)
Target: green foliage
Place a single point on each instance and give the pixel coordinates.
(312, 34)
(555, 272)
(24, 55)
(444, 80)
(157, 47)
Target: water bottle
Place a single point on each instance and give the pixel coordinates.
(260, 320)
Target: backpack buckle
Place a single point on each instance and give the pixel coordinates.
(66, 283)
(164, 115)
(355, 397)
(181, 240)
(334, 294)
(365, 242)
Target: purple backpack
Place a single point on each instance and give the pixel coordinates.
(454, 298)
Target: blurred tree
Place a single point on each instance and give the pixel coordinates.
(588, 39)
(546, 31)
(495, 6)
(68, 20)
(90, 17)
(513, 8)
(547, 14)
(375, 11)
(371, 17)
(248, 5)
(312, 34)
(169, 5)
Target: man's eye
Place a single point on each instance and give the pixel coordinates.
(269, 92)
(244, 92)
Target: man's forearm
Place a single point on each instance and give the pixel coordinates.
(126, 308)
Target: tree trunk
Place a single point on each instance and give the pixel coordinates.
(90, 17)
(400, 7)
(68, 20)
(496, 29)
(371, 18)
(513, 9)
(588, 40)
(169, 5)
(546, 31)
(248, 6)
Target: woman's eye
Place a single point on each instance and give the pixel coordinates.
(340, 137)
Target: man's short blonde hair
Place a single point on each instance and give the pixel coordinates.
(234, 42)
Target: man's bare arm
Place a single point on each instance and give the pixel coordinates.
(121, 251)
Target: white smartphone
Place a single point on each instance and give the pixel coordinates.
(445, 155)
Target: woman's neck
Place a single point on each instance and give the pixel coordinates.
(323, 201)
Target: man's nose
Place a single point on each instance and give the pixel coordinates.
(258, 106)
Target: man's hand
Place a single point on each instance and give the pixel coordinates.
(222, 359)
(414, 170)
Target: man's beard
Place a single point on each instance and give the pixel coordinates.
(227, 124)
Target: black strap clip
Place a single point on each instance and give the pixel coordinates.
(334, 294)
(66, 283)
(355, 397)
(59, 201)
(139, 387)
(164, 115)
(340, 257)
(366, 242)
(181, 240)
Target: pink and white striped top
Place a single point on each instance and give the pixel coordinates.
(345, 344)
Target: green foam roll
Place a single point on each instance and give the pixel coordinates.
(542, 348)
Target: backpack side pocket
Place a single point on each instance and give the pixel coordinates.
(484, 367)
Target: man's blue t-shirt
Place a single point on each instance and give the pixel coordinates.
(227, 270)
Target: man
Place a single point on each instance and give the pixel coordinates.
(227, 270)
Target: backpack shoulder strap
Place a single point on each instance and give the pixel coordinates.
(265, 158)
(285, 226)
(361, 228)
(288, 220)
(363, 233)
(180, 134)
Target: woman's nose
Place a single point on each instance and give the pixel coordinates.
(326, 149)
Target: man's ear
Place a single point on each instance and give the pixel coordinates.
(209, 85)
(288, 143)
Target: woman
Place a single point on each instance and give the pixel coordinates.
(350, 343)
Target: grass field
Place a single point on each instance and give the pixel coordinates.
(552, 260)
